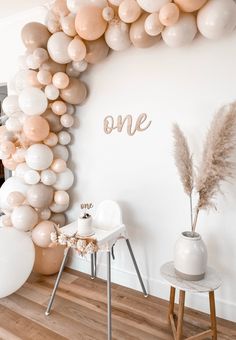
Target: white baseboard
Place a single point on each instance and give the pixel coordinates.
(224, 309)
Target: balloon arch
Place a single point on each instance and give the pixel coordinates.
(77, 33)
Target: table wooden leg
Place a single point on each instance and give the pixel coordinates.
(172, 302)
(180, 315)
(213, 315)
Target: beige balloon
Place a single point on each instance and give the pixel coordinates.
(53, 120)
(129, 11)
(75, 93)
(48, 260)
(35, 35)
(44, 77)
(139, 36)
(41, 234)
(59, 219)
(77, 49)
(40, 195)
(190, 5)
(53, 67)
(97, 50)
(68, 25)
(169, 14)
(59, 107)
(51, 139)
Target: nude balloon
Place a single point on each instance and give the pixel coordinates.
(77, 49)
(152, 24)
(58, 208)
(152, 6)
(48, 260)
(97, 50)
(36, 128)
(61, 197)
(117, 36)
(40, 55)
(58, 46)
(190, 5)
(32, 101)
(40, 195)
(51, 92)
(59, 219)
(75, 93)
(9, 164)
(41, 234)
(24, 217)
(68, 25)
(45, 214)
(169, 14)
(35, 35)
(139, 36)
(60, 151)
(60, 80)
(129, 11)
(51, 139)
(71, 70)
(53, 67)
(89, 23)
(53, 121)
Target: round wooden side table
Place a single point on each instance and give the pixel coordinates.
(209, 284)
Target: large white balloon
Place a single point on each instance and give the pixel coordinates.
(10, 105)
(64, 180)
(57, 47)
(10, 185)
(24, 217)
(152, 6)
(182, 33)
(117, 36)
(32, 101)
(217, 18)
(16, 260)
(39, 157)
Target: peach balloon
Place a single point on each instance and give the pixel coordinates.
(8, 147)
(44, 77)
(32, 79)
(36, 128)
(9, 163)
(60, 80)
(129, 11)
(77, 49)
(48, 260)
(169, 14)
(58, 165)
(15, 199)
(89, 23)
(60, 8)
(97, 50)
(139, 36)
(61, 197)
(190, 5)
(68, 25)
(51, 139)
(41, 234)
(75, 93)
(35, 35)
(53, 67)
(59, 107)
(53, 121)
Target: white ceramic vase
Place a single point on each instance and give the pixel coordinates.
(85, 226)
(190, 256)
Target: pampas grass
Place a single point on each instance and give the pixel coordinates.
(216, 164)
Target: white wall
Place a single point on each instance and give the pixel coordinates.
(186, 85)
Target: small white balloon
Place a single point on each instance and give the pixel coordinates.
(51, 92)
(32, 101)
(39, 157)
(64, 137)
(32, 63)
(64, 180)
(48, 177)
(61, 197)
(152, 25)
(10, 105)
(57, 47)
(80, 66)
(115, 2)
(152, 6)
(60, 151)
(31, 177)
(117, 36)
(24, 218)
(13, 124)
(67, 120)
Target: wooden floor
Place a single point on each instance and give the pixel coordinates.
(80, 313)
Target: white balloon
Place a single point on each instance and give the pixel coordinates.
(32, 63)
(217, 18)
(182, 33)
(13, 124)
(39, 157)
(60, 151)
(64, 137)
(10, 105)
(48, 177)
(16, 260)
(80, 66)
(152, 25)
(75, 5)
(51, 92)
(58, 208)
(10, 185)
(152, 6)
(32, 101)
(24, 218)
(57, 47)
(31, 177)
(64, 180)
(117, 36)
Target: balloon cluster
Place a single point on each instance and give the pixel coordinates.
(78, 33)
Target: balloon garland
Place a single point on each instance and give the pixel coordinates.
(77, 33)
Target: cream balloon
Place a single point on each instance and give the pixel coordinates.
(41, 234)
(32, 62)
(40, 195)
(217, 18)
(57, 47)
(67, 120)
(75, 5)
(61, 197)
(152, 6)
(117, 36)
(152, 24)
(64, 180)
(58, 165)
(24, 79)
(51, 139)
(129, 11)
(68, 25)
(82, 66)
(77, 49)
(44, 77)
(59, 107)
(39, 157)
(31, 177)
(20, 170)
(60, 8)
(190, 5)
(64, 138)
(13, 124)
(48, 177)
(19, 155)
(10, 105)
(60, 80)
(24, 218)
(169, 14)
(17, 259)
(51, 92)
(182, 33)
(32, 101)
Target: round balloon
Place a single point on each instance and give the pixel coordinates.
(117, 36)
(36, 128)
(53, 121)
(24, 217)
(58, 47)
(48, 177)
(12, 184)
(10, 105)
(59, 219)
(77, 49)
(64, 180)
(97, 50)
(31, 177)
(152, 6)
(60, 151)
(41, 234)
(32, 101)
(40, 195)
(68, 25)
(39, 156)
(75, 93)
(152, 24)
(58, 208)
(35, 35)
(129, 11)
(190, 5)
(16, 260)
(48, 260)
(169, 14)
